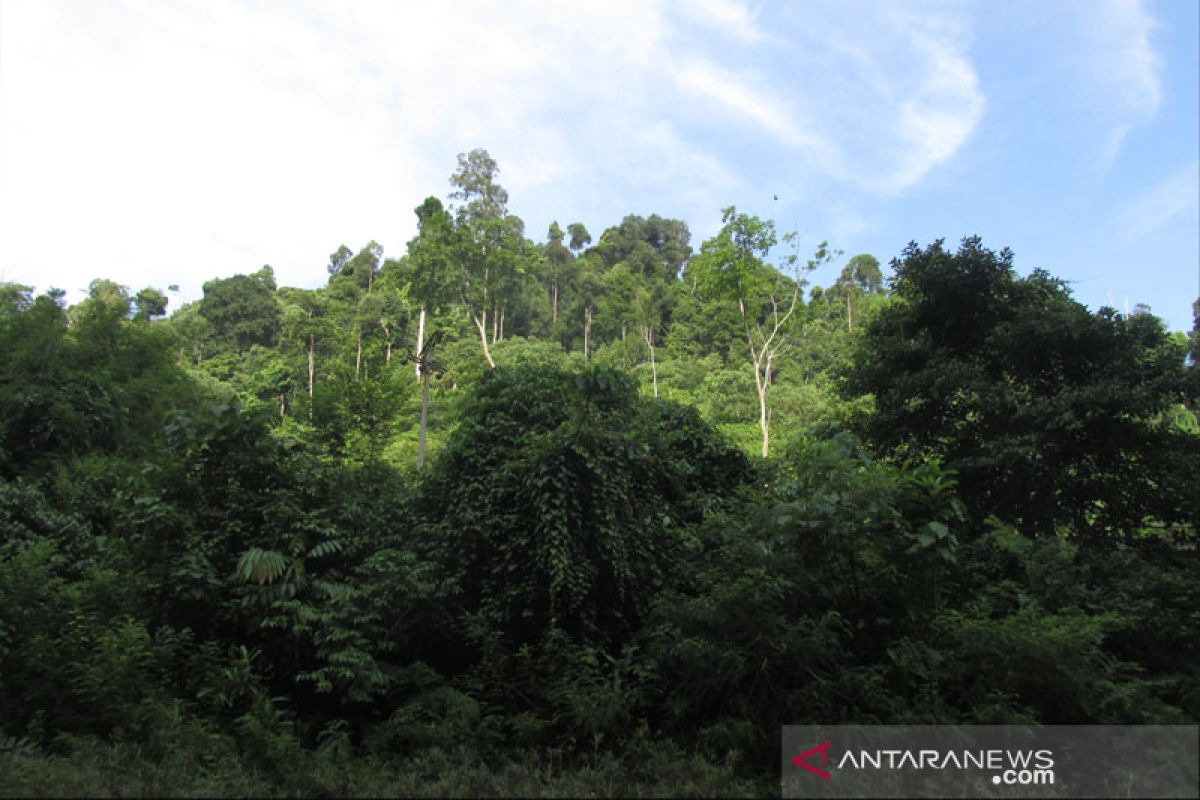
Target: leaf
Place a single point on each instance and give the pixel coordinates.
(260, 566)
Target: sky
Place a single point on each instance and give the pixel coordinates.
(156, 142)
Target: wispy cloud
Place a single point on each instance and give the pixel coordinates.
(1134, 66)
(1160, 205)
(728, 17)
(1122, 66)
(174, 142)
(215, 136)
(738, 94)
(938, 118)
(897, 90)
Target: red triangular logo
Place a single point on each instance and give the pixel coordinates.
(800, 761)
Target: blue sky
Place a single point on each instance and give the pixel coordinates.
(160, 143)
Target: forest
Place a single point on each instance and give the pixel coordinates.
(518, 515)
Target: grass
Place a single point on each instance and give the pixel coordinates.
(103, 769)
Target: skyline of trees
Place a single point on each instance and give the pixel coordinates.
(642, 502)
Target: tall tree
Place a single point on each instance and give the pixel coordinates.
(649, 301)
(430, 257)
(243, 310)
(639, 302)
(655, 246)
(339, 259)
(1051, 414)
(149, 303)
(580, 237)
(589, 290)
(732, 266)
(361, 268)
(861, 275)
(306, 322)
(488, 238)
(558, 263)
(353, 281)
(394, 307)
(194, 331)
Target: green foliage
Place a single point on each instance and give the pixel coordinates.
(857, 592)
(653, 247)
(150, 303)
(429, 264)
(561, 497)
(730, 266)
(1047, 411)
(242, 310)
(99, 384)
(220, 573)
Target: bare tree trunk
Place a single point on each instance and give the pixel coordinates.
(495, 325)
(282, 406)
(387, 338)
(424, 419)
(587, 331)
(312, 360)
(849, 314)
(481, 324)
(554, 304)
(762, 380)
(761, 386)
(653, 371)
(648, 338)
(502, 323)
(763, 356)
(358, 356)
(420, 337)
(312, 371)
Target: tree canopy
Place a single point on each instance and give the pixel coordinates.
(571, 517)
(1052, 416)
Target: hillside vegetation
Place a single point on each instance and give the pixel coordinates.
(670, 498)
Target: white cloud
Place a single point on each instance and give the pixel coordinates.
(728, 17)
(1123, 30)
(738, 94)
(1175, 196)
(897, 91)
(160, 143)
(1120, 66)
(941, 115)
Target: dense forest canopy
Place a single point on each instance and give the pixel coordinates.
(623, 503)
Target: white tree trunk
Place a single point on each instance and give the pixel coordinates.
(312, 348)
(481, 324)
(761, 385)
(420, 337)
(648, 338)
(424, 418)
(587, 330)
